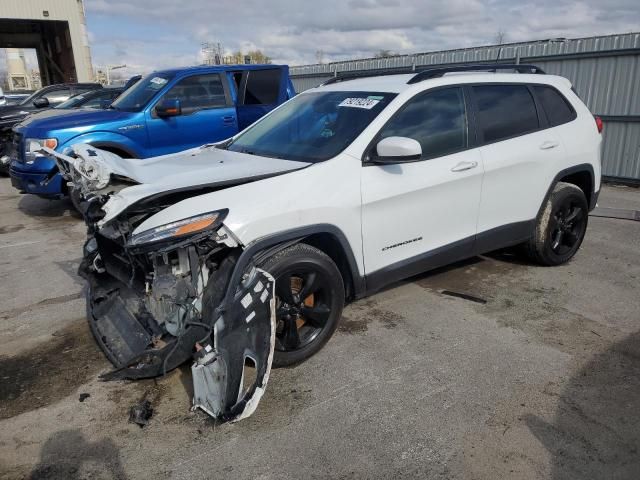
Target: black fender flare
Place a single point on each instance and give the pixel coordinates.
(583, 167)
(263, 247)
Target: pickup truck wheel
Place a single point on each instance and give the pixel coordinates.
(309, 301)
(561, 227)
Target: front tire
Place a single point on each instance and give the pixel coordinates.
(309, 301)
(561, 226)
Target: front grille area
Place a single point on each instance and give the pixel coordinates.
(17, 147)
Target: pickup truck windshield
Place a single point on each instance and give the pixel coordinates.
(134, 99)
(312, 127)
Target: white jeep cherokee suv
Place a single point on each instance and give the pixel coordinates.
(344, 189)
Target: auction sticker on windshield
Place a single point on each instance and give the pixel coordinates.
(158, 80)
(367, 103)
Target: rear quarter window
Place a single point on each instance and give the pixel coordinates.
(556, 107)
(505, 111)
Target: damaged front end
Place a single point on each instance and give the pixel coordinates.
(161, 297)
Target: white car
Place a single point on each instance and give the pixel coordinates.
(344, 189)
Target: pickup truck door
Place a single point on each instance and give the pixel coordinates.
(422, 214)
(208, 115)
(259, 91)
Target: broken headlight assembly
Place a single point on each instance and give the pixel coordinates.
(33, 147)
(180, 229)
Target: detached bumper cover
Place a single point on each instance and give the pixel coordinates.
(245, 334)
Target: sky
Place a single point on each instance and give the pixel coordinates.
(152, 34)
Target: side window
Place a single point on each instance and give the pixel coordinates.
(263, 87)
(437, 120)
(505, 111)
(57, 96)
(198, 92)
(555, 105)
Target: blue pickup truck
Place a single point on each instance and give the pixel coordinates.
(165, 112)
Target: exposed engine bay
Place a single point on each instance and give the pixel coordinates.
(159, 298)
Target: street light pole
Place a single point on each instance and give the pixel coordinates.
(112, 67)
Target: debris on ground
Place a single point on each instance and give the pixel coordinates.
(141, 413)
(84, 396)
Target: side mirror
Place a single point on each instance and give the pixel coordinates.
(397, 150)
(169, 108)
(41, 102)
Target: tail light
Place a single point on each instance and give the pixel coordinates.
(599, 123)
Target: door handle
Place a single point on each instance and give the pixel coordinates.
(548, 145)
(228, 119)
(462, 166)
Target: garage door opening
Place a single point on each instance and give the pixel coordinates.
(47, 48)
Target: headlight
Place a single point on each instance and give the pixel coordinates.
(32, 146)
(179, 229)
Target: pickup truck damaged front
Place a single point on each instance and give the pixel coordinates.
(160, 297)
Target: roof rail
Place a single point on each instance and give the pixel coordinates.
(341, 77)
(437, 72)
(432, 72)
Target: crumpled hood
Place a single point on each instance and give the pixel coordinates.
(201, 166)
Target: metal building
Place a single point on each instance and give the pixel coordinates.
(605, 72)
(56, 29)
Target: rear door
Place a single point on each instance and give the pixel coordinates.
(520, 155)
(259, 92)
(421, 214)
(208, 115)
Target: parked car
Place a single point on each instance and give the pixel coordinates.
(337, 193)
(166, 112)
(46, 97)
(12, 98)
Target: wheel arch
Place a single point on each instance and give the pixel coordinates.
(325, 237)
(116, 148)
(582, 176)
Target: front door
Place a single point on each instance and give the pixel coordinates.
(208, 115)
(422, 214)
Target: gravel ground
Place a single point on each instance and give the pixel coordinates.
(541, 381)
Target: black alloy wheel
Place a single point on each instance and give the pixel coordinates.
(560, 227)
(309, 301)
(567, 227)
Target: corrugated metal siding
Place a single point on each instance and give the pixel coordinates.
(605, 72)
(621, 150)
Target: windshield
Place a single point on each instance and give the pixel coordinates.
(313, 126)
(30, 98)
(73, 101)
(136, 98)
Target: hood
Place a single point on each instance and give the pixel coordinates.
(73, 119)
(96, 171)
(14, 113)
(45, 114)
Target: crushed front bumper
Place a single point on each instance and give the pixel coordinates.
(227, 339)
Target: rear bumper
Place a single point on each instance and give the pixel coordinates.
(45, 184)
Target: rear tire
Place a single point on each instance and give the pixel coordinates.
(309, 301)
(561, 226)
